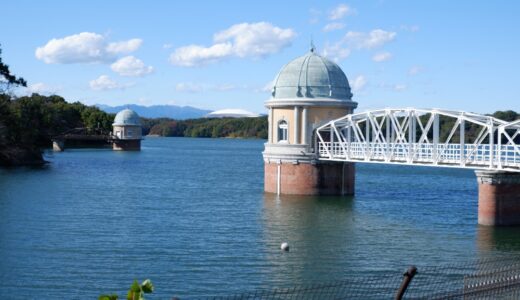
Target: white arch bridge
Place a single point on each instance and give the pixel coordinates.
(412, 136)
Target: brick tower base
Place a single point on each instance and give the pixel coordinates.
(127, 145)
(309, 179)
(498, 198)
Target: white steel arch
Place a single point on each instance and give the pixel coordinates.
(412, 136)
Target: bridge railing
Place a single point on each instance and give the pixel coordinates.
(473, 155)
(428, 153)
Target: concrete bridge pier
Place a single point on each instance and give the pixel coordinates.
(498, 198)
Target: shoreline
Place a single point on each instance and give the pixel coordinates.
(19, 156)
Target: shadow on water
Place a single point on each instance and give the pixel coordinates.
(502, 239)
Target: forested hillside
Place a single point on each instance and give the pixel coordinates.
(215, 128)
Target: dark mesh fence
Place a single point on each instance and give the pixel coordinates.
(497, 278)
(380, 288)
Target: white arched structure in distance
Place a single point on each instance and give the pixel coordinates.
(412, 136)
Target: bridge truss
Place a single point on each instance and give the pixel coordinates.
(430, 137)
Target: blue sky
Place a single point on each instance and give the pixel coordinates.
(461, 55)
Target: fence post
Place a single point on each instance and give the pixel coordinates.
(408, 276)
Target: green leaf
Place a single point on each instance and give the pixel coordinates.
(147, 286)
(108, 297)
(135, 292)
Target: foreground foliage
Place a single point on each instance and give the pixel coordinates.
(136, 291)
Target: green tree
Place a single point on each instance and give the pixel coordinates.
(6, 78)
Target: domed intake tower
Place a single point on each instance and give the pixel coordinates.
(127, 131)
(308, 92)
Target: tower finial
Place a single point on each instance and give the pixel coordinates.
(313, 48)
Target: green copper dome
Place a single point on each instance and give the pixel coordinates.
(127, 117)
(311, 76)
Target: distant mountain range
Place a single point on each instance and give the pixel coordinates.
(159, 111)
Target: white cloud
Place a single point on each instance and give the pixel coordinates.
(41, 88)
(37, 87)
(104, 82)
(85, 47)
(414, 70)
(340, 11)
(373, 39)
(268, 87)
(412, 28)
(336, 52)
(131, 66)
(257, 39)
(358, 83)
(333, 26)
(193, 55)
(167, 46)
(315, 16)
(125, 46)
(359, 41)
(192, 87)
(400, 87)
(240, 40)
(383, 56)
(189, 87)
(224, 87)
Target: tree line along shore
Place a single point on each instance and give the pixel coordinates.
(28, 123)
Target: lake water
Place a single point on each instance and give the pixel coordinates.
(191, 215)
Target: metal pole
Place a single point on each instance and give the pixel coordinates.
(408, 276)
(410, 137)
(349, 140)
(414, 129)
(499, 154)
(332, 139)
(435, 137)
(387, 137)
(491, 145)
(462, 143)
(367, 136)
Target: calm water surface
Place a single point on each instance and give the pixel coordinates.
(191, 215)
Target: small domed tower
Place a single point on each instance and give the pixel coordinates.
(308, 92)
(127, 131)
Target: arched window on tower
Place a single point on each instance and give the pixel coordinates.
(283, 132)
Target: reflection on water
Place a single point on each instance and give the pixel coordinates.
(319, 231)
(501, 239)
(330, 238)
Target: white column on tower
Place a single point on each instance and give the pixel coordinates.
(296, 124)
(304, 125)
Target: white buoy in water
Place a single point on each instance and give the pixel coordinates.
(284, 247)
